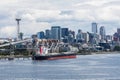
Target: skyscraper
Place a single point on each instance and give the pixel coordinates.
(94, 27)
(41, 35)
(85, 37)
(71, 37)
(56, 32)
(64, 32)
(79, 36)
(47, 34)
(102, 33)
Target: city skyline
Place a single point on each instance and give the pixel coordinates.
(38, 15)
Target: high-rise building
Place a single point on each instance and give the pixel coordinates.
(47, 34)
(85, 37)
(94, 38)
(56, 32)
(94, 27)
(41, 35)
(102, 33)
(64, 32)
(79, 36)
(71, 37)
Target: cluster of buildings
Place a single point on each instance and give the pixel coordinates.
(96, 37)
(69, 36)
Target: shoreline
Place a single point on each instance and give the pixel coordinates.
(85, 53)
(100, 52)
(105, 52)
(15, 56)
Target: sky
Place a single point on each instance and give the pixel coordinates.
(38, 15)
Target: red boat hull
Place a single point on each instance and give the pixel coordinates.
(54, 57)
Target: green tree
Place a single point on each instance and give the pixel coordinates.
(117, 48)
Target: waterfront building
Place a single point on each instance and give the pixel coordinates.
(56, 32)
(109, 38)
(94, 27)
(106, 46)
(47, 34)
(41, 35)
(102, 33)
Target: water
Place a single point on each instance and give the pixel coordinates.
(84, 67)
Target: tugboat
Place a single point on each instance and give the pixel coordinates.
(55, 51)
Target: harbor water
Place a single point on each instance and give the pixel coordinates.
(84, 67)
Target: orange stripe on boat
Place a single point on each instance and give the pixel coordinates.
(62, 57)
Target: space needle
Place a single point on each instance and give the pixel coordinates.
(18, 27)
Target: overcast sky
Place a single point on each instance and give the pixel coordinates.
(38, 15)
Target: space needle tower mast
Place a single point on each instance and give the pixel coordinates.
(18, 27)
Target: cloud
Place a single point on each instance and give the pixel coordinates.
(8, 31)
(33, 28)
(55, 15)
(39, 15)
